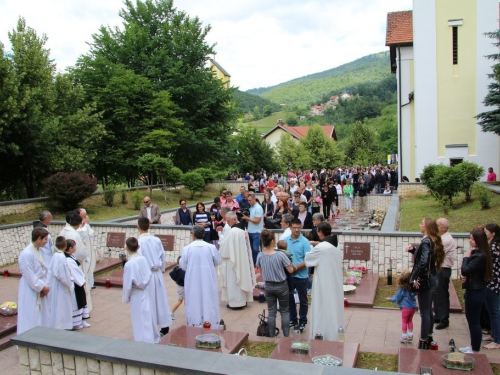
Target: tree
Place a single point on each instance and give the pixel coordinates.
(207, 174)
(267, 110)
(193, 182)
(163, 168)
(291, 153)
(361, 139)
(444, 183)
(256, 113)
(490, 120)
(147, 166)
(323, 151)
(251, 151)
(167, 48)
(291, 120)
(174, 176)
(470, 173)
(26, 109)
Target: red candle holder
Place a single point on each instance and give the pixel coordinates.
(6, 273)
(108, 284)
(346, 303)
(207, 324)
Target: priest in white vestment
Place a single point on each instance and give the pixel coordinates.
(152, 249)
(136, 278)
(33, 303)
(87, 234)
(70, 232)
(237, 274)
(199, 259)
(327, 306)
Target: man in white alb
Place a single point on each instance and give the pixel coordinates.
(199, 259)
(87, 234)
(47, 250)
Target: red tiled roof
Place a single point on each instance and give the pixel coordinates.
(399, 28)
(301, 131)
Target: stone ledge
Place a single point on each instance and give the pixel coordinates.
(164, 358)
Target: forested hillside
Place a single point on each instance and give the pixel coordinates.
(312, 88)
(246, 102)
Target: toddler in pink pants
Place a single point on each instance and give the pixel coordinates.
(405, 299)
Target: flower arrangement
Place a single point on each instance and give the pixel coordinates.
(8, 308)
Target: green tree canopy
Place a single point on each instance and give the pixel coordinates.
(249, 151)
(322, 150)
(362, 145)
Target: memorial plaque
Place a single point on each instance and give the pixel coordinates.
(115, 239)
(357, 251)
(167, 240)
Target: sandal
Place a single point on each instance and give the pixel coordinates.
(491, 346)
(488, 338)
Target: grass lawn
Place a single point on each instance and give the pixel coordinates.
(98, 211)
(384, 291)
(267, 123)
(262, 349)
(463, 217)
(383, 362)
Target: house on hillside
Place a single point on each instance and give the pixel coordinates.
(220, 73)
(297, 132)
(316, 110)
(437, 51)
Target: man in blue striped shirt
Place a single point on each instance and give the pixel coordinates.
(298, 246)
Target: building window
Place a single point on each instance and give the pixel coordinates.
(455, 45)
(455, 161)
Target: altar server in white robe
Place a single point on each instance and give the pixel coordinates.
(327, 294)
(136, 278)
(61, 289)
(152, 249)
(33, 304)
(199, 259)
(87, 234)
(73, 222)
(237, 273)
(47, 250)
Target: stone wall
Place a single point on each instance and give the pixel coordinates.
(50, 351)
(385, 246)
(20, 206)
(411, 188)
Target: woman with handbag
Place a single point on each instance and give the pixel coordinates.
(272, 265)
(477, 269)
(428, 260)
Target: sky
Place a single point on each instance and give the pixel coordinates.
(259, 43)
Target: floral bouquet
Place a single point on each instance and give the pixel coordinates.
(8, 308)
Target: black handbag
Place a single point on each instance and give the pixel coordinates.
(263, 328)
(272, 223)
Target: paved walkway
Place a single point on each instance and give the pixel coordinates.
(376, 330)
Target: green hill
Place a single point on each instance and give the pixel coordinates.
(267, 123)
(247, 102)
(309, 89)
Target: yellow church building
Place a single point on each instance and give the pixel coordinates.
(438, 54)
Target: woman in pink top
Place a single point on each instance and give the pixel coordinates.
(491, 175)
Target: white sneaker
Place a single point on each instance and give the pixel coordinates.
(466, 349)
(173, 316)
(404, 339)
(76, 328)
(410, 338)
(85, 324)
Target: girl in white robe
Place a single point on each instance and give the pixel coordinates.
(61, 289)
(136, 278)
(79, 299)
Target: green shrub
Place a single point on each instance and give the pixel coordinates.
(193, 182)
(124, 197)
(108, 195)
(444, 183)
(67, 189)
(207, 174)
(471, 173)
(137, 199)
(484, 195)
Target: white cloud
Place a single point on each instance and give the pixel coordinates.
(260, 43)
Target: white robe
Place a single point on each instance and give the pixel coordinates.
(47, 250)
(199, 259)
(60, 295)
(151, 248)
(79, 279)
(136, 277)
(80, 255)
(34, 279)
(327, 294)
(87, 234)
(237, 275)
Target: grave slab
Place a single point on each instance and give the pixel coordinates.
(8, 324)
(116, 277)
(365, 292)
(410, 360)
(185, 337)
(455, 305)
(347, 351)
